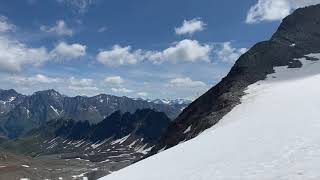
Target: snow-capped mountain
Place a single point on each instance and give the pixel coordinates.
(9, 99)
(260, 122)
(179, 103)
(20, 113)
(171, 102)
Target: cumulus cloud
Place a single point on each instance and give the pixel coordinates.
(69, 51)
(190, 26)
(60, 28)
(272, 10)
(5, 26)
(142, 94)
(31, 83)
(185, 83)
(121, 90)
(14, 55)
(32, 80)
(184, 51)
(229, 54)
(78, 6)
(114, 80)
(83, 84)
(120, 56)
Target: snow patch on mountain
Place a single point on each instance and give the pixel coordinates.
(272, 134)
(187, 130)
(121, 140)
(55, 110)
(9, 100)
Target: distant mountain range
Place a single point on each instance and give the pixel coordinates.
(20, 113)
(115, 142)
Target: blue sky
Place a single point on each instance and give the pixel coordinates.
(145, 48)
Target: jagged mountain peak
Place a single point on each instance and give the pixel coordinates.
(49, 92)
(297, 36)
(5, 94)
(12, 91)
(300, 29)
(42, 106)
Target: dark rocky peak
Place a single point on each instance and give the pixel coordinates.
(151, 124)
(49, 93)
(49, 98)
(71, 129)
(297, 36)
(9, 91)
(9, 95)
(145, 123)
(301, 29)
(9, 99)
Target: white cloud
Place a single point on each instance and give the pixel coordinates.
(32, 80)
(272, 10)
(31, 83)
(185, 50)
(84, 88)
(43, 79)
(14, 55)
(120, 56)
(142, 94)
(185, 83)
(121, 90)
(5, 26)
(114, 80)
(83, 84)
(79, 6)
(229, 54)
(190, 27)
(69, 51)
(60, 28)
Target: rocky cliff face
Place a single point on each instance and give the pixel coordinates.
(298, 35)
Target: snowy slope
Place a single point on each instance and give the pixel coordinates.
(272, 134)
